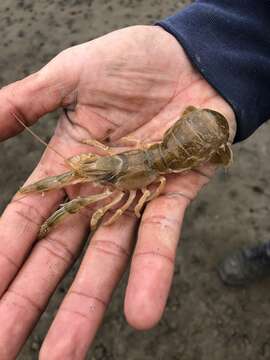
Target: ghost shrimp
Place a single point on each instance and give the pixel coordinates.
(199, 136)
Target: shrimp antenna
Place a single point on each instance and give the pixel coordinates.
(37, 137)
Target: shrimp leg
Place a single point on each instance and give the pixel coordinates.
(52, 183)
(136, 143)
(147, 196)
(71, 207)
(119, 212)
(97, 144)
(98, 215)
(159, 189)
(75, 161)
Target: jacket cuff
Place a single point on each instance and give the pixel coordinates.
(229, 43)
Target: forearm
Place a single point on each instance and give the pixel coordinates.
(229, 43)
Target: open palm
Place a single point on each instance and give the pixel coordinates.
(135, 82)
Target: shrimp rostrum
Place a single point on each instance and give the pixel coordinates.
(199, 136)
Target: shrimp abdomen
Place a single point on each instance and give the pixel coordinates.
(197, 137)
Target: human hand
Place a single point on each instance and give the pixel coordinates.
(136, 82)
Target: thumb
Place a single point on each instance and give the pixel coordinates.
(36, 95)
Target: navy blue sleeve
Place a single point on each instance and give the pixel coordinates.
(229, 43)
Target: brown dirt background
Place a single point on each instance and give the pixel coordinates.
(204, 320)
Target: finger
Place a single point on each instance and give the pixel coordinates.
(28, 295)
(154, 256)
(35, 96)
(84, 306)
(21, 220)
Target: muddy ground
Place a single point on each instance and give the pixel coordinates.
(204, 320)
